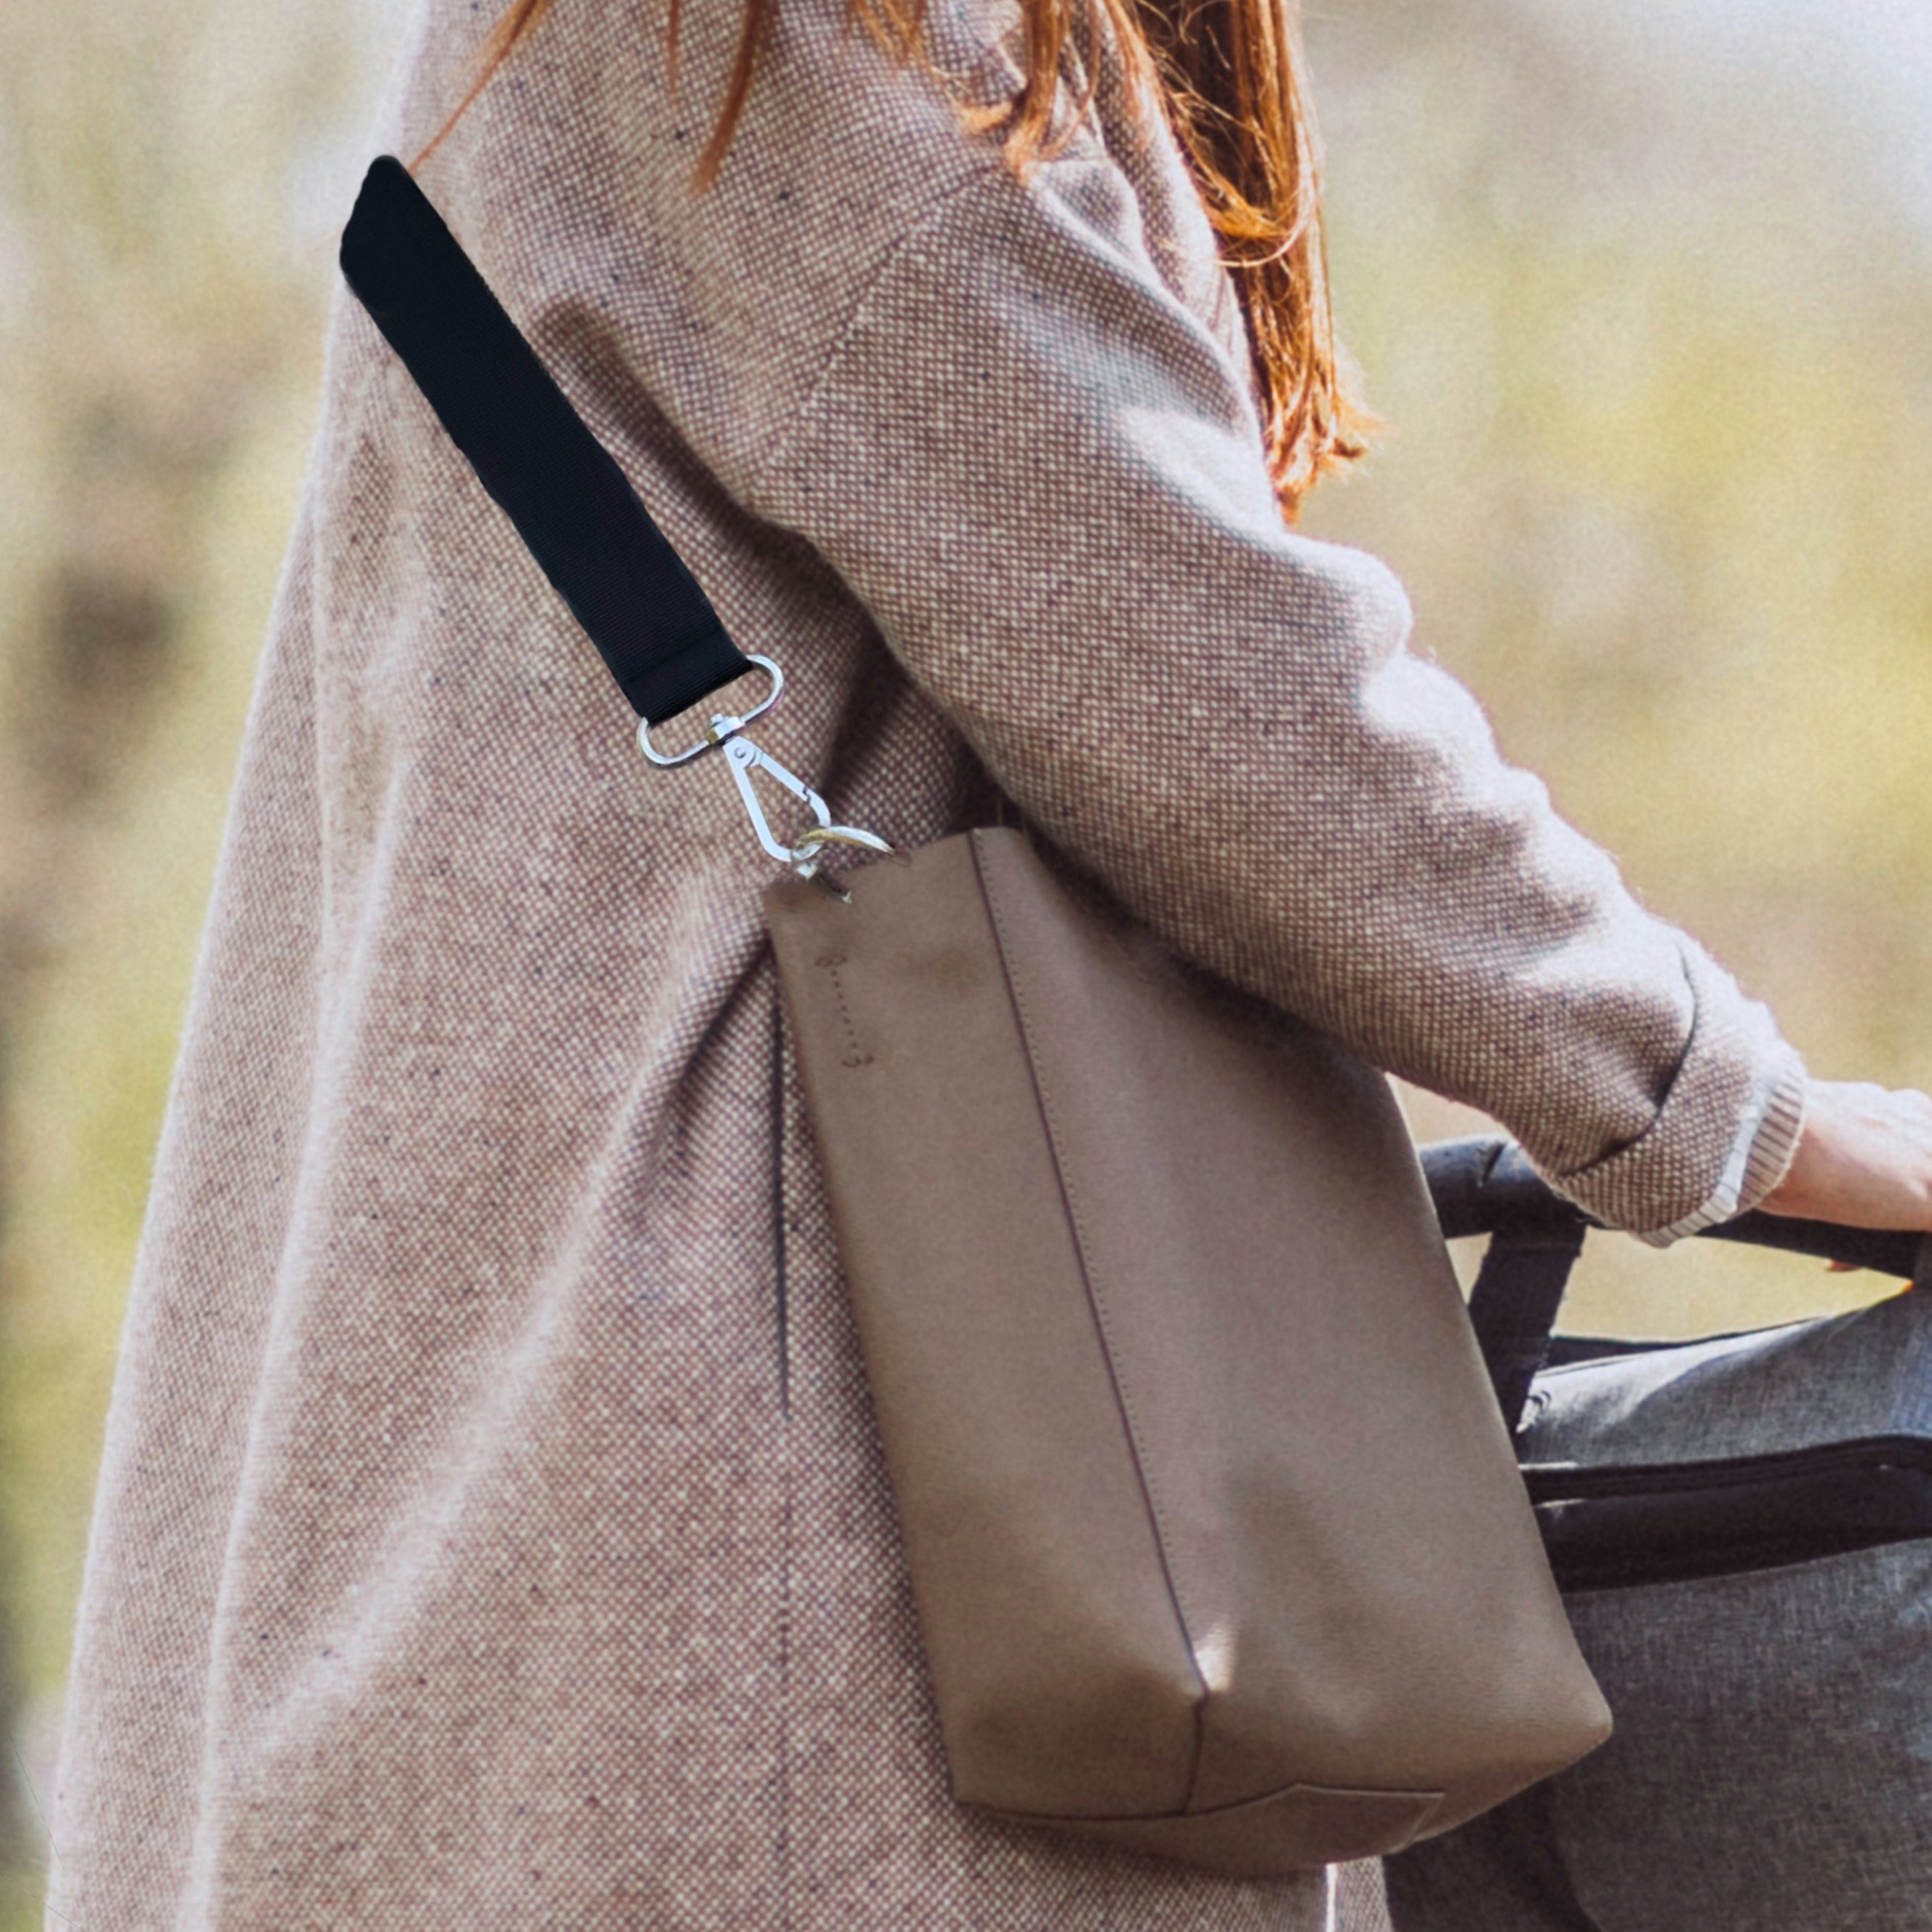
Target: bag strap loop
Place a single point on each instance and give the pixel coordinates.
(572, 504)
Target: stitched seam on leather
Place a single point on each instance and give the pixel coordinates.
(1427, 1803)
(781, 1277)
(1097, 1308)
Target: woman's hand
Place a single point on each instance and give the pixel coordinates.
(1864, 1158)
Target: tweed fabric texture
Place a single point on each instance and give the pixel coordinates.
(1772, 1767)
(491, 1527)
(1764, 1392)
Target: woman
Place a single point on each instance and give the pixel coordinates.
(491, 1529)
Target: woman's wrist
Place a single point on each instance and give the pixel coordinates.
(1863, 1160)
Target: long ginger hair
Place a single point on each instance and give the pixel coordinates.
(1231, 77)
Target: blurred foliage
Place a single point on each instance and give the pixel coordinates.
(1651, 333)
(1648, 325)
(168, 179)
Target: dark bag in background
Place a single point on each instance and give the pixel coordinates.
(1742, 1528)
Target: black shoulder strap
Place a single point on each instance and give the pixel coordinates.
(560, 486)
(1514, 1305)
(1485, 1185)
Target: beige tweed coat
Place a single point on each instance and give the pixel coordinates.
(492, 1530)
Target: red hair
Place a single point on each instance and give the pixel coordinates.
(1231, 77)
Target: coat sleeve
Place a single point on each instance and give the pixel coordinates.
(1044, 478)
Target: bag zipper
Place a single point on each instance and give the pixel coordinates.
(1550, 1482)
(1622, 1525)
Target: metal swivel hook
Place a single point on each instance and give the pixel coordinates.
(801, 856)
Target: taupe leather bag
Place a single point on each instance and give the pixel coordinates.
(1216, 1535)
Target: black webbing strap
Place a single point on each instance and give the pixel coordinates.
(1486, 1186)
(534, 454)
(1514, 1304)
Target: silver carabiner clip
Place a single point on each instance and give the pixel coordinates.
(802, 855)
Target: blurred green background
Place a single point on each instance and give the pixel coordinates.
(1644, 293)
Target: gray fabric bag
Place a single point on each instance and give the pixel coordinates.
(1742, 1527)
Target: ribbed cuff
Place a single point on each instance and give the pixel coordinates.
(1766, 1141)
(1724, 1133)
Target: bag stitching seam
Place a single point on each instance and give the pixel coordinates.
(1096, 1307)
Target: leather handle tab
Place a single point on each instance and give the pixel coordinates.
(571, 503)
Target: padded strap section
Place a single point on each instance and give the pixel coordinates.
(1514, 1305)
(560, 486)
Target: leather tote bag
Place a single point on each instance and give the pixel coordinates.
(1741, 1526)
(1218, 1547)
